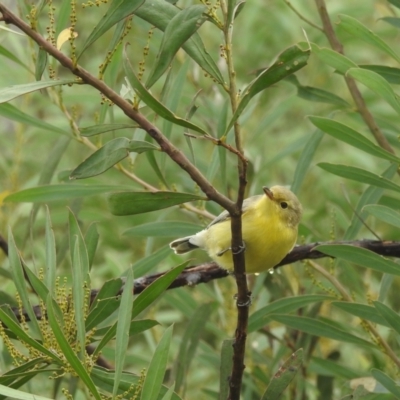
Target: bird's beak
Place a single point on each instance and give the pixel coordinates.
(268, 192)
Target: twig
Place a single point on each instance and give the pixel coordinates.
(351, 83)
(173, 152)
(290, 5)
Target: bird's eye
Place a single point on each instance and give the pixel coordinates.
(284, 204)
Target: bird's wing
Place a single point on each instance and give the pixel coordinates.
(225, 215)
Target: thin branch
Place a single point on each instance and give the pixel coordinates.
(173, 152)
(351, 83)
(290, 5)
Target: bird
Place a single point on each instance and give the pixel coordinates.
(269, 231)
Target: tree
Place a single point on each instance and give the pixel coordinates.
(145, 118)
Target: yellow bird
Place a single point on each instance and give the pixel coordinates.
(269, 231)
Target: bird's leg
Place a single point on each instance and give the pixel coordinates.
(246, 303)
(239, 250)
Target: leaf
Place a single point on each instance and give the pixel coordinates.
(68, 352)
(11, 112)
(102, 128)
(179, 29)
(281, 380)
(386, 381)
(359, 175)
(396, 3)
(334, 59)
(64, 36)
(260, 318)
(362, 311)
(163, 229)
(358, 30)
(146, 264)
(107, 156)
(41, 62)
(19, 395)
(305, 159)
(11, 92)
(392, 21)
(123, 324)
(118, 10)
(288, 62)
(392, 318)
(319, 328)
(4, 52)
(158, 364)
(384, 213)
(42, 194)
(360, 256)
(377, 84)
(310, 93)
(225, 368)
(153, 103)
(350, 136)
(51, 257)
(130, 203)
(392, 75)
(159, 13)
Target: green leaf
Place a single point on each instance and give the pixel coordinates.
(164, 229)
(384, 213)
(310, 93)
(51, 257)
(130, 203)
(159, 13)
(319, 328)
(386, 381)
(17, 274)
(288, 62)
(358, 30)
(153, 103)
(281, 380)
(370, 196)
(392, 21)
(4, 52)
(332, 58)
(41, 62)
(156, 371)
(350, 136)
(392, 75)
(68, 352)
(179, 29)
(118, 10)
(107, 156)
(329, 367)
(260, 318)
(225, 368)
(359, 175)
(146, 264)
(102, 128)
(92, 240)
(391, 316)
(396, 3)
(123, 324)
(11, 112)
(305, 160)
(135, 327)
(360, 256)
(18, 394)
(11, 92)
(362, 311)
(43, 194)
(377, 84)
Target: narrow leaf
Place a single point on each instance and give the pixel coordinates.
(360, 31)
(225, 368)
(41, 62)
(11, 92)
(179, 29)
(360, 256)
(19, 395)
(153, 103)
(392, 75)
(386, 381)
(281, 380)
(350, 136)
(377, 84)
(46, 193)
(391, 316)
(130, 203)
(92, 240)
(362, 311)
(156, 371)
(102, 128)
(319, 328)
(384, 213)
(118, 10)
(164, 229)
(359, 175)
(334, 59)
(51, 258)
(288, 62)
(310, 93)
(6, 53)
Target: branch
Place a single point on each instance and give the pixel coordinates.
(351, 83)
(173, 152)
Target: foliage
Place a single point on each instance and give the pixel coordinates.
(115, 220)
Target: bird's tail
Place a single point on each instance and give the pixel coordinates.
(182, 245)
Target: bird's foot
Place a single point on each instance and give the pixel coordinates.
(237, 250)
(246, 303)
